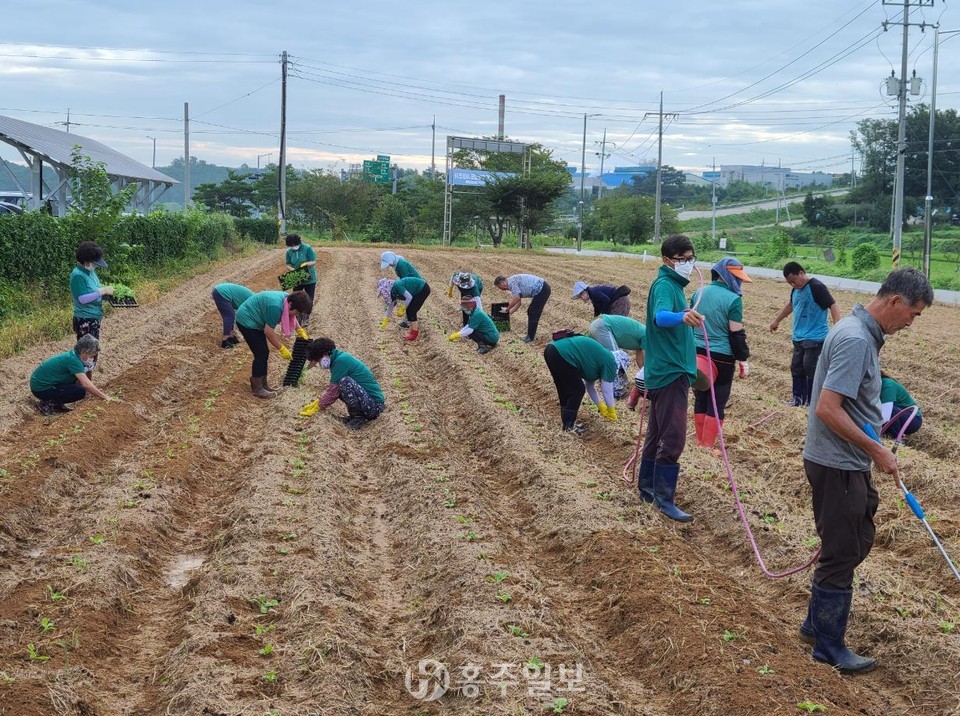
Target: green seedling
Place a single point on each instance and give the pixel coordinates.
(35, 655)
(534, 663)
(289, 536)
(294, 490)
(498, 577)
(74, 642)
(705, 601)
(265, 650)
(590, 483)
(283, 550)
(731, 635)
(47, 625)
(265, 603)
(97, 539)
(6, 678)
(653, 550)
(451, 500)
(262, 629)
(810, 707)
(443, 478)
(811, 542)
(55, 596)
(298, 464)
(270, 677)
(517, 631)
(79, 563)
(676, 571)
(605, 495)
(765, 670)
(129, 504)
(903, 612)
(947, 627)
(464, 520)
(482, 555)
(3, 474)
(171, 453)
(471, 536)
(504, 597)
(558, 705)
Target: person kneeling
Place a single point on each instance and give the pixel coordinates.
(63, 378)
(350, 381)
(479, 327)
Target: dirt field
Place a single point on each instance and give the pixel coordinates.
(193, 550)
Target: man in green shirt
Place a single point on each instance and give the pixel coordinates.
(350, 381)
(479, 327)
(228, 297)
(63, 378)
(302, 256)
(669, 367)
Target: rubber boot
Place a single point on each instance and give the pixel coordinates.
(411, 335)
(664, 490)
(645, 480)
(709, 432)
(634, 398)
(806, 629)
(258, 389)
(698, 419)
(829, 612)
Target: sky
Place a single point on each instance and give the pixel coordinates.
(743, 81)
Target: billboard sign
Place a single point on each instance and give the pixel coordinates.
(475, 177)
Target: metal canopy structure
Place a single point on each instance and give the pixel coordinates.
(47, 153)
(499, 146)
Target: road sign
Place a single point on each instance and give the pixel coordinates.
(383, 158)
(376, 171)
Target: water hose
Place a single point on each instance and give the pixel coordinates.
(907, 495)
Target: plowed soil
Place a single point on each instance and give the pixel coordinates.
(193, 550)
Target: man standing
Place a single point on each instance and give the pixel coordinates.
(838, 455)
(670, 365)
(809, 302)
(525, 285)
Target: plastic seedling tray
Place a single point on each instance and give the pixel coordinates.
(127, 302)
(297, 363)
(290, 280)
(500, 317)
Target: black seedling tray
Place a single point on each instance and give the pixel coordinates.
(501, 319)
(297, 363)
(129, 302)
(301, 274)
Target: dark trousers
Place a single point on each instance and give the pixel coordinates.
(83, 326)
(566, 377)
(535, 310)
(480, 340)
(702, 402)
(667, 422)
(620, 307)
(310, 288)
(60, 394)
(257, 341)
(226, 310)
(897, 425)
(416, 303)
(844, 503)
(360, 404)
(803, 365)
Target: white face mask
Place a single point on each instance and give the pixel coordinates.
(325, 362)
(297, 247)
(684, 269)
(90, 364)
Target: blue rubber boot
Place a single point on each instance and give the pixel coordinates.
(806, 629)
(665, 488)
(645, 480)
(829, 612)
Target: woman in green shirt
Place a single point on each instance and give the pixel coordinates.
(895, 404)
(257, 319)
(63, 378)
(302, 256)
(228, 297)
(478, 326)
(576, 363)
(87, 292)
(409, 293)
(350, 381)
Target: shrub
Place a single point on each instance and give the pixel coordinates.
(866, 257)
(264, 230)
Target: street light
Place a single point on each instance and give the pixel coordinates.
(928, 201)
(265, 154)
(583, 170)
(154, 163)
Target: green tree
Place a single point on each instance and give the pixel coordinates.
(95, 208)
(234, 195)
(389, 221)
(523, 199)
(631, 219)
(866, 257)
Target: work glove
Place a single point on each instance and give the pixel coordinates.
(611, 414)
(454, 336)
(304, 264)
(744, 369)
(385, 322)
(285, 353)
(602, 407)
(309, 409)
(401, 310)
(450, 291)
(302, 333)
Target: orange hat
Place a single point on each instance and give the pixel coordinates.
(740, 272)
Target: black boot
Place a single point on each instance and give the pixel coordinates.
(664, 490)
(569, 418)
(806, 629)
(645, 480)
(829, 612)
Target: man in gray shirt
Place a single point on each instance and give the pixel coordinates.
(526, 285)
(838, 456)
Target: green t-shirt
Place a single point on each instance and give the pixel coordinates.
(412, 285)
(592, 360)
(305, 253)
(234, 293)
(718, 305)
(483, 326)
(628, 332)
(59, 370)
(671, 352)
(261, 310)
(893, 392)
(343, 364)
(82, 282)
(405, 269)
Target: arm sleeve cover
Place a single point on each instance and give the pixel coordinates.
(89, 297)
(592, 391)
(607, 390)
(669, 319)
(329, 396)
(465, 331)
(738, 344)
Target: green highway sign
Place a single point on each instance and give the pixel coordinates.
(377, 171)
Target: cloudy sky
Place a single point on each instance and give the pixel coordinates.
(743, 81)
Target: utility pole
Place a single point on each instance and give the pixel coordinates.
(283, 144)
(433, 149)
(897, 227)
(153, 164)
(68, 122)
(583, 170)
(603, 155)
(656, 217)
(186, 156)
(713, 203)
